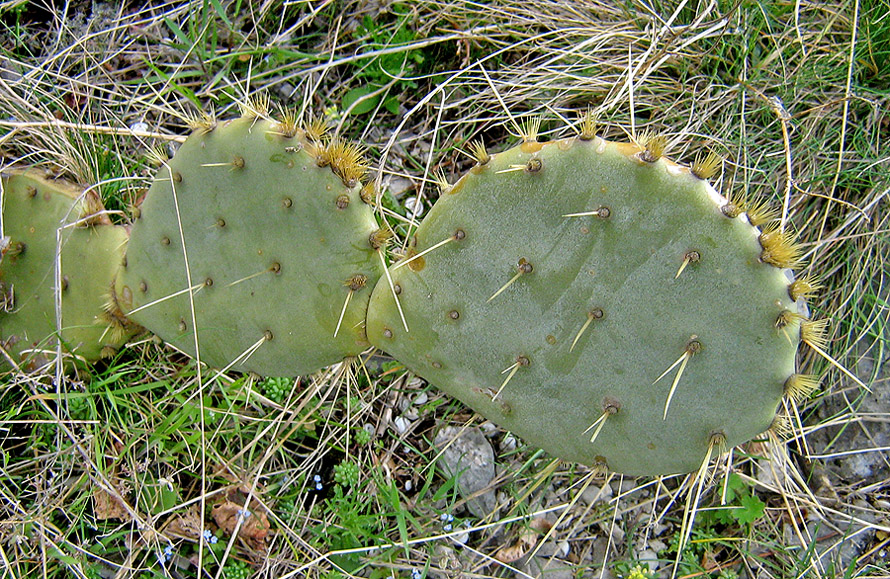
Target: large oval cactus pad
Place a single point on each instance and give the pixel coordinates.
(565, 327)
(49, 222)
(275, 243)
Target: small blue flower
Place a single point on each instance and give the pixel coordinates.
(318, 486)
(416, 574)
(447, 528)
(317, 478)
(210, 537)
(243, 513)
(165, 555)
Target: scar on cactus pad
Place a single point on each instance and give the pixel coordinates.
(252, 248)
(62, 245)
(603, 302)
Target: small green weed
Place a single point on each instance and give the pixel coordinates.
(346, 473)
(377, 72)
(277, 389)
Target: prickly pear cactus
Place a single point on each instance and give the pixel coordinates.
(602, 302)
(253, 244)
(49, 223)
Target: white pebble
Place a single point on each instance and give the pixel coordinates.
(462, 538)
(509, 443)
(489, 428)
(413, 207)
(649, 558)
(139, 127)
(401, 424)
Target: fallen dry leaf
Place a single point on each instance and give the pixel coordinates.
(540, 524)
(107, 506)
(188, 526)
(254, 525)
(527, 539)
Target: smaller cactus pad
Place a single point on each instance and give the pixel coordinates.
(600, 301)
(41, 216)
(260, 232)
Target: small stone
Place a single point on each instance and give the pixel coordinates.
(413, 207)
(421, 399)
(398, 185)
(401, 424)
(462, 537)
(285, 90)
(546, 568)
(870, 431)
(467, 454)
(509, 443)
(616, 530)
(772, 471)
(649, 558)
(594, 494)
(625, 486)
(489, 428)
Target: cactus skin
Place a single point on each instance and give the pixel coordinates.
(273, 240)
(35, 210)
(509, 355)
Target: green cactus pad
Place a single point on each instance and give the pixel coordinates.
(493, 314)
(39, 217)
(275, 244)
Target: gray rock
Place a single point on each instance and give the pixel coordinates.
(401, 424)
(285, 90)
(594, 494)
(837, 541)
(871, 430)
(772, 470)
(551, 548)
(467, 454)
(546, 568)
(398, 186)
(649, 558)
